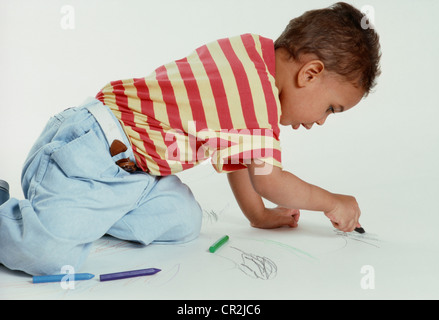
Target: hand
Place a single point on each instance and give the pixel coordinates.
(277, 217)
(345, 213)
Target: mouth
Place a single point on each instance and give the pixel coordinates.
(297, 126)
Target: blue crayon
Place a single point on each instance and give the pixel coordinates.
(61, 277)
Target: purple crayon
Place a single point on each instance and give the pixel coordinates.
(128, 274)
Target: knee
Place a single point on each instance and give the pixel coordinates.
(27, 245)
(186, 213)
(182, 198)
(189, 214)
(192, 215)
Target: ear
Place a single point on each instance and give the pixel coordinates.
(309, 72)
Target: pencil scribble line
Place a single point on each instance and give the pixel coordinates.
(212, 215)
(112, 246)
(257, 267)
(357, 237)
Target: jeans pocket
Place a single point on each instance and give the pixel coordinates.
(86, 158)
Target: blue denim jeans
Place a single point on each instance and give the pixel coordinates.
(4, 191)
(75, 193)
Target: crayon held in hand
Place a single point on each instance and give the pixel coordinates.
(360, 230)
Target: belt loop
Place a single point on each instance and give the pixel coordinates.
(106, 121)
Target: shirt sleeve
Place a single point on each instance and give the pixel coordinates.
(239, 147)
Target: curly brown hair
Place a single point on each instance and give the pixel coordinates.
(336, 36)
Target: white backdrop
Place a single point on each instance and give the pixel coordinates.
(384, 151)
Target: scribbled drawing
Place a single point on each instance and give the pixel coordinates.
(109, 245)
(212, 215)
(255, 266)
(262, 267)
(366, 238)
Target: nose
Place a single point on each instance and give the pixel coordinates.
(322, 121)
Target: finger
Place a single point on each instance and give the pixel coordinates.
(353, 225)
(347, 226)
(292, 222)
(293, 225)
(296, 215)
(284, 219)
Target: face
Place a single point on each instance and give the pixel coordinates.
(309, 94)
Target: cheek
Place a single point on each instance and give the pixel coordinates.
(304, 112)
(291, 110)
(313, 108)
(304, 108)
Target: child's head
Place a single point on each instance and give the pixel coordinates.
(331, 57)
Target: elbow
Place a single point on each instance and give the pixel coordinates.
(264, 178)
(261, 186)
(265, 185)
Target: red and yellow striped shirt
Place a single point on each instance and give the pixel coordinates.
(220, 102)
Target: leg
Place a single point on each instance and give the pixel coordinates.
(4, 192)
(166, 213)
(75, 193)
(28, 246)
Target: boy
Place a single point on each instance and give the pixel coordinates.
(107, 167)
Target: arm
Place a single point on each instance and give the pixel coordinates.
(287, 190)
(253, 207)
(248, 200)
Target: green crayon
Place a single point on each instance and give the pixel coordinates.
(218, 244)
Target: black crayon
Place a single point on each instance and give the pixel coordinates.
(360, 230)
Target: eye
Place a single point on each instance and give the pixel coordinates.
(331, 109)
